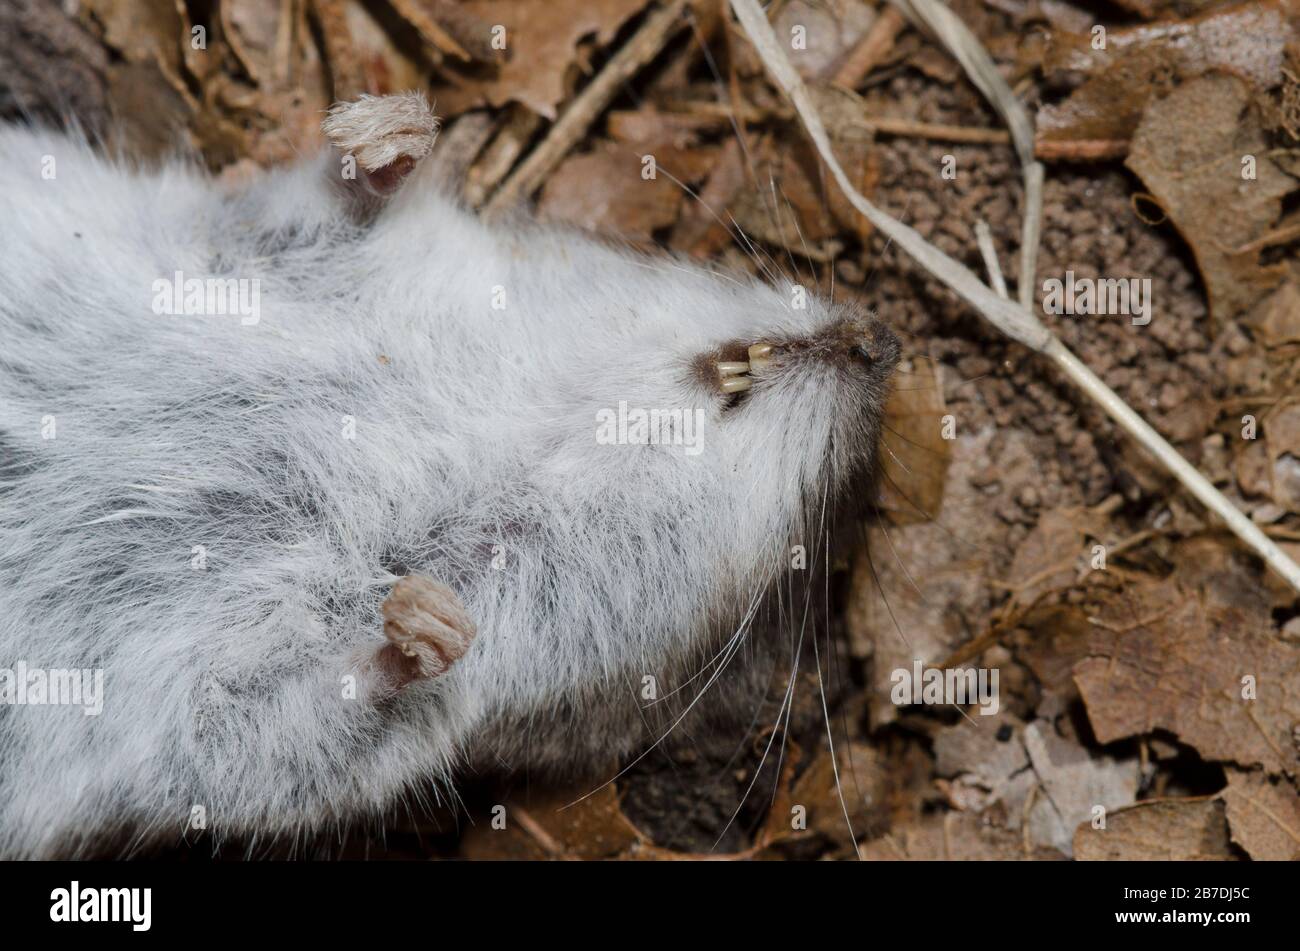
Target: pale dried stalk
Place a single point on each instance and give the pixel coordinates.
(983, 72)
(984, 240)
(1012, 320)
(1017, 322)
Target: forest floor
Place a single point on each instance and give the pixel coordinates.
(1149, 667)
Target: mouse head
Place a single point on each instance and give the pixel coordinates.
(725, 419)
(700, 429)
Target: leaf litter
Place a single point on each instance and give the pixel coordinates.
(1149, 707)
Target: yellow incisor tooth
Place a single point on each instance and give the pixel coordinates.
(736, 384)
(760, 355)
(728, 368)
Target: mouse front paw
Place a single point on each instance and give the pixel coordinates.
(386, 135)
(428, 630)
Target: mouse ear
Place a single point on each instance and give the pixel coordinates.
(428, 630)
(381, 138)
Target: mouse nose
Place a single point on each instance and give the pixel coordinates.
(879, 347)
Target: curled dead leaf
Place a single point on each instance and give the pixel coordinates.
(1203, 154)
(1264, 815)
(1168, 830)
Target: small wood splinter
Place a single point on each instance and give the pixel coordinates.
(427, 628)
(386, 135)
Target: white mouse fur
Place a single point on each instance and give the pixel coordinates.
(474, 438)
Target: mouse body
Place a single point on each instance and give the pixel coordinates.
(338, 505)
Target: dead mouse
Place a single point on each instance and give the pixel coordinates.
(338, 493)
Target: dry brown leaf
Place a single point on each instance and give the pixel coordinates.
(698, 231)
(546, 826)
(283, 123)
(952, 836)
(1251, 469)
(445, 27)
(1051, 555)
(1189, 151)
(918, 591)
(786, 206)
(1278, 316)
(1264, 816)
(258, 36)
(777, 825)
(861, 781)
(1075, 782)
(787, 201)
(1054, 638)
(679, 130)
(989, 748)
(632, 187)
(1178, 655)
(385, 68)
(602, 190)
(541, 43)
(1145, 62)
(149, 101)
(142, 31)
(1281, 427)
(914, 456)
(1160, 830)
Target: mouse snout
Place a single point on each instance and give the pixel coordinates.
(878, 345)
(858, 345)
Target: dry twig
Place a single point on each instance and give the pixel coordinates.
(870, 50)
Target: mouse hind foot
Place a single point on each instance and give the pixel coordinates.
(427, 630)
